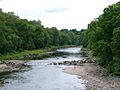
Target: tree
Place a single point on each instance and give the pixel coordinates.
(3, 42)
(102, 37)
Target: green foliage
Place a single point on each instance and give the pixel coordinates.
(103, 38)
(20, 34)
(104, 52)
(115, 41)
(3, 42)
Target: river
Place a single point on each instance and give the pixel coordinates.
(43, 76)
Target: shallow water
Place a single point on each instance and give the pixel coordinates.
(43, 76)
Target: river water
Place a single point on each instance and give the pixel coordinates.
(43, 76)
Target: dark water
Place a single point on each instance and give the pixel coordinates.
(43, 76)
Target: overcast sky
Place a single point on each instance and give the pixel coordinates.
(58, 13)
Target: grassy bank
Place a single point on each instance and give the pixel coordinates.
(22, 54)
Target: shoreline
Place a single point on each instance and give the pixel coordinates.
(31, 54)
(11, 66)
(96, 76)
(15, 62)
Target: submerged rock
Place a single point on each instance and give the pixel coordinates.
(3, 82)
(77, 63)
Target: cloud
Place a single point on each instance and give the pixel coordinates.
(59, 13)
(1, 0)
(55, 10)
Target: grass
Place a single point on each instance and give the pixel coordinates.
(20, 55)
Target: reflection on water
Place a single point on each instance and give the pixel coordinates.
(43, 76)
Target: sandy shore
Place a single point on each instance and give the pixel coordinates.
(97, 77)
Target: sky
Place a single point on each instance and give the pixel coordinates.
(63, 14)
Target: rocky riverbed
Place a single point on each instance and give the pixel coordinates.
(11, 65)
(98, 78)
(94, 76)
(74, 62)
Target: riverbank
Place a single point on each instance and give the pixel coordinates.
(11, 65)
(30, 54)
(15, 61)
(97, 77)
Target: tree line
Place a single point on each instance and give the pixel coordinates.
(21, 34)
(103, 37)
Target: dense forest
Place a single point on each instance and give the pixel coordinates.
(20, 34)
(103, 37)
